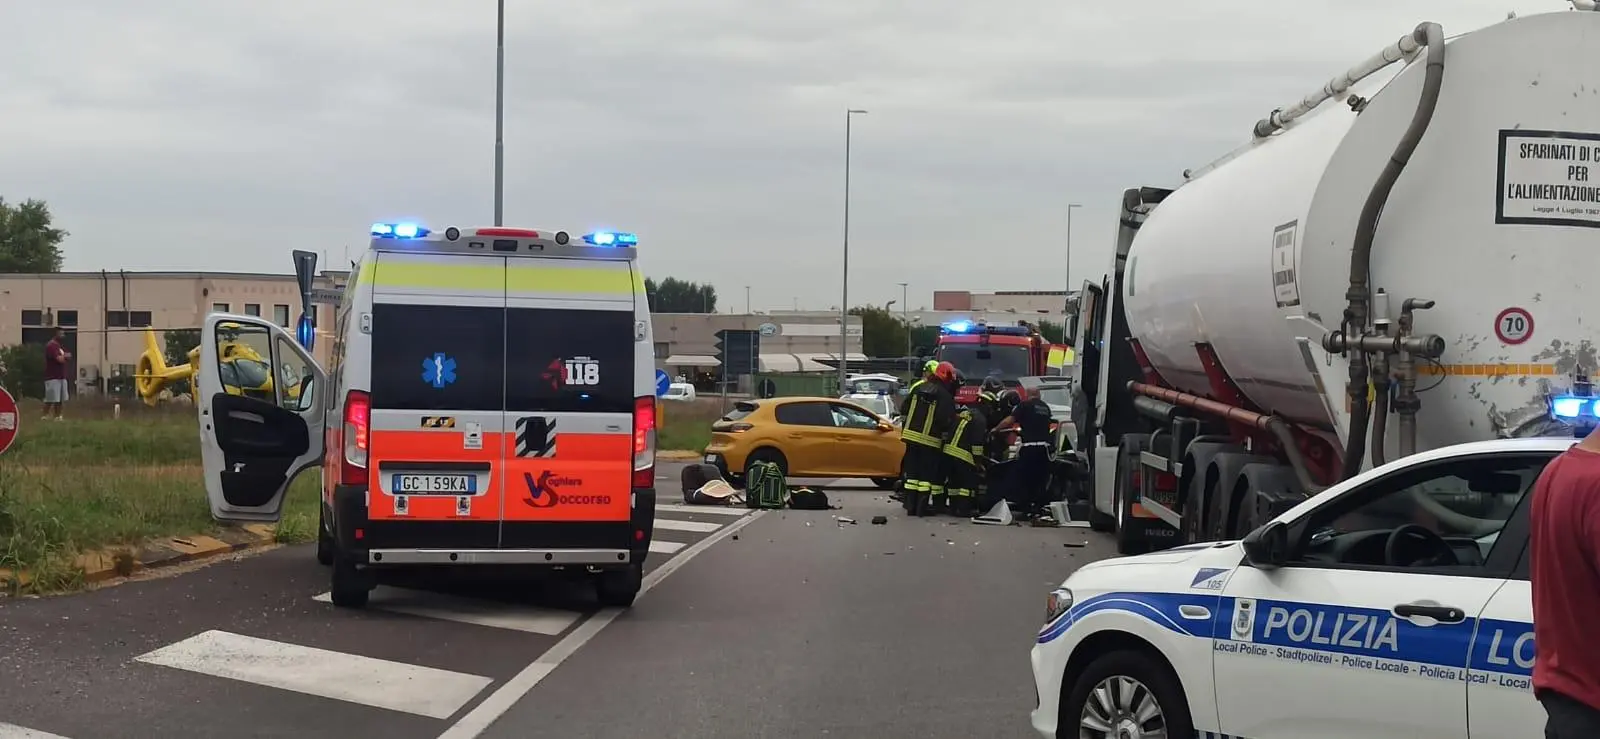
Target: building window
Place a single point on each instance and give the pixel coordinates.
(663, 349)
(67, 318)
(116, 319)
(252, 309)
(219, 308)
(139, 319)
(280, 315)
(33, 318)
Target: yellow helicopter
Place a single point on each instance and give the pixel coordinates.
(243, 370)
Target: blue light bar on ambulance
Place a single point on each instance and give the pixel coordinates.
(1575, 408)
(611, 238)
(398, 231)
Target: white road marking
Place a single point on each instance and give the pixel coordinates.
(658, 546)
(675, 508)
(501, 700)
(396, 686)
(530, 619)
(12, 731)
(673, 524)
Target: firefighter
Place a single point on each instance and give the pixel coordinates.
(989, 400)
(1030, 480)
(927, 374)
(929, 418)
(965, 455)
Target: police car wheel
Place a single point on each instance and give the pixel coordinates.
(1125, 695)
(886, 483)
(324, 538)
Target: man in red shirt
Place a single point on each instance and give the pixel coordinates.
(55, 375)
(1564, 551)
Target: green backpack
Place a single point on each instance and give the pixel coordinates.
(764, 486)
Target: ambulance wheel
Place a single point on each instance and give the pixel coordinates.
(886, 483)
(324, 538)
(618, 588)
(350, 585)
(1124, 693)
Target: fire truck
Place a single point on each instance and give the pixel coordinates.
(979, 350)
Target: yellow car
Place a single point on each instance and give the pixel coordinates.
(807, 437)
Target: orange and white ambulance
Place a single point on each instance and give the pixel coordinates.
(490, 401)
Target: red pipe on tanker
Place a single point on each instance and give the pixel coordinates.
(1231, 413)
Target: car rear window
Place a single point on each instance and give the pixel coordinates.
(805, 414)
(438, 357)
(740, 410)
(569, 360)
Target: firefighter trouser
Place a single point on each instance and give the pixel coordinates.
(961, 472)
(924, 466)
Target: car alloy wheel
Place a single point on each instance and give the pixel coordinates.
(1121, 707)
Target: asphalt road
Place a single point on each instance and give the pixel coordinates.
(783, 623)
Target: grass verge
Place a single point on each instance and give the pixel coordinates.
(94, 481)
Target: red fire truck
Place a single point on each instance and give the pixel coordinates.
(980, 351)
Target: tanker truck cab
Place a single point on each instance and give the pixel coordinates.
(489, 401)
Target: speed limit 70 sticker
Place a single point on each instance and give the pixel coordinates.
(1513, 325)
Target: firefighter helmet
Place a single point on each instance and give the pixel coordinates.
(945, 372)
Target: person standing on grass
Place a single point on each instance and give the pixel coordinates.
(55, 375)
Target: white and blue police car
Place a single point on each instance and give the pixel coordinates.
(1394, 604)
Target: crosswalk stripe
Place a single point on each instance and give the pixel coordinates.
(426, 604)
(397, 686)
(673, 524)
(665, 547)
(676, 508)
(12, 731)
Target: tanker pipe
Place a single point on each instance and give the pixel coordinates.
(1380, 423)
(1280, 119)
(1356, 315)
(1279, 428)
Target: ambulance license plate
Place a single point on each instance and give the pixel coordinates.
(434, 485)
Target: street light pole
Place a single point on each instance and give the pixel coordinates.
(844, 282)
(747, 300)
(500, 115)
(1070, 207)
(905, 317)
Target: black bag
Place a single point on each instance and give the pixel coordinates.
(696, 475)
(806, 499)
(765, 486)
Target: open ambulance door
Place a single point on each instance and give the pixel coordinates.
(257, 392)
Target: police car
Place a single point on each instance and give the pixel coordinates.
(1395, 604)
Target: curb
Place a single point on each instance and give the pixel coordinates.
(105, 564)
(679, 455)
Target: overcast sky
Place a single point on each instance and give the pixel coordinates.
(221, 134)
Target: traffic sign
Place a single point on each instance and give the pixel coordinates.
(663, 382)
(1514, 326)
(10, 420)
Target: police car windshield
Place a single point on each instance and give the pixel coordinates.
(976, 362)
(871, 387)
(1056, 395)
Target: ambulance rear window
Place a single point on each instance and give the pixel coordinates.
(570, 360)
(438, 358)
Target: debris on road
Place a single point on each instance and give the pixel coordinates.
(845, 519)
(880, 520)
(1075, 544)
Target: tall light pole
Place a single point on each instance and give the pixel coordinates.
(747, 300)
(500, 115)
(844, 282)
(905, 317)
(1064, 317)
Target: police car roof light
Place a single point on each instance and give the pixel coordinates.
(1575, 407)
(611, 238)
(398, 231)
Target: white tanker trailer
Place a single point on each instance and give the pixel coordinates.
(1395, 263)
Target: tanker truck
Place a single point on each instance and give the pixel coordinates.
(1394, 263)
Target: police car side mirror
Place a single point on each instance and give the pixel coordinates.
(1268, 546)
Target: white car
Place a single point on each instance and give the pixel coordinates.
(1395, 604)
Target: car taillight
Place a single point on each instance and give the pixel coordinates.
(644, 442)
(357, 425)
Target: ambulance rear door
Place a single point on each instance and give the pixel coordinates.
(570, 400)
(438, 326)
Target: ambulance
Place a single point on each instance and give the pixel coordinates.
(489, 401)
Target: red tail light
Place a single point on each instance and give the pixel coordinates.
(644, 442)
(357, 428)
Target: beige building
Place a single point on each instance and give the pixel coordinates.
(105, 314)
(1046, 302)
(789, 342)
